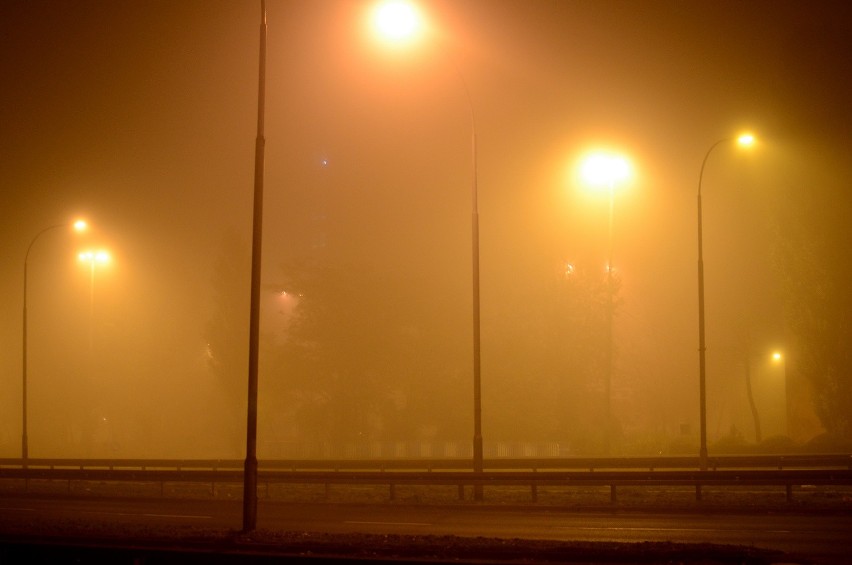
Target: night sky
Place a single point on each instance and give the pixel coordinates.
(140, 116)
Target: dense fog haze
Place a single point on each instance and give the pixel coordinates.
(141, 118)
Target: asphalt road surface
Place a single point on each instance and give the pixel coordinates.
(815, 537)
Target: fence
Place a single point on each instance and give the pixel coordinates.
(787, 471)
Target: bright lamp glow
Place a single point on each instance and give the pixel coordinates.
(396, 20)
(80, 225)
(777, 356)
(91, 256)
(604, 169)
(746, 140)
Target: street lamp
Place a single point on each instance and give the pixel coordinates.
(78, 226)
(397, 20)
(604, 170)
(93, 257)
(744, 140)
(250, 466)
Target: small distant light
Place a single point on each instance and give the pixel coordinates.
(324, 162)
(569, 269)
(80, 225)
(777, 356)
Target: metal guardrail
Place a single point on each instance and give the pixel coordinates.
(794, 461)
(533, 479)
(778, 470)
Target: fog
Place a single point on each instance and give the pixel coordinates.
(141, 118)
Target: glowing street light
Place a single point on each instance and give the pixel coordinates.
(77, 226)
(398, 20)
(744, 140)
(605, 170)
(94, 257)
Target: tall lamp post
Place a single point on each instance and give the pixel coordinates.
(250, 467)
(78, 226)
(600, 169)
(397, 20)
(744, 140)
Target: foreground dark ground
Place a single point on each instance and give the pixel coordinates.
(80, 540)
(295, 547)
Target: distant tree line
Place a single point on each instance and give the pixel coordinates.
(364, 353)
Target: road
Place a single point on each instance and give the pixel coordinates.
(823, 537)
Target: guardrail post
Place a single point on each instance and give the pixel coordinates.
(613, 497)
(789, 488)
(698, 493)
(392, 492)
